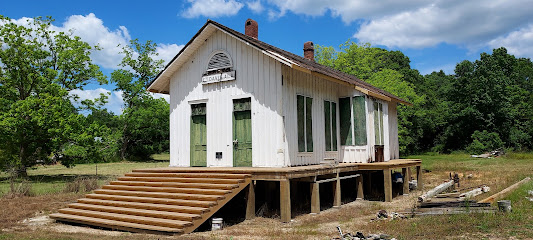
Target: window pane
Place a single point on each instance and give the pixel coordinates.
(359, 115)
(301, 123)
(327, 127)
(309, 123)
(345, 118)
(381, 132)
(378, 119)
(334, 126)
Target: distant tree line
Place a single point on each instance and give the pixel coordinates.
(39, 122)
(485, 105)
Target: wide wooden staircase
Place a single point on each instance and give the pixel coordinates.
(156, 201)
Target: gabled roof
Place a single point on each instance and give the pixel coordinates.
(161, 83)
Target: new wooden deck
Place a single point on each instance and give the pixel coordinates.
(176, 200)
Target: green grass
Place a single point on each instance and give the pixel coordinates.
(53, 178)
(161, 157)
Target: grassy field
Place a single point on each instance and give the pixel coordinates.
(498, 173)
(51, 179)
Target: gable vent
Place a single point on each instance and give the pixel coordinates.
(219, 61)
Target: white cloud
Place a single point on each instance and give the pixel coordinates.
(347, 10)
(518, 43)
(167, 51)
(92, 30)
(212, 8)
(255, 6)
(467, 23)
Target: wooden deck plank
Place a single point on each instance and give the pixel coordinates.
(137, 212)
(202, 191)
(176, 185)
(183, 196)
(182, 180)
(178, 202)
(136, 173)
(112, 224)
(127, 218)
(147, 206)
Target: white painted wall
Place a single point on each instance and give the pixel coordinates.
(257, 76)
(274, 121)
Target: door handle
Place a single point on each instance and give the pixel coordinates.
(235, 142)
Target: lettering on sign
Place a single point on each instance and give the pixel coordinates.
(218, 77)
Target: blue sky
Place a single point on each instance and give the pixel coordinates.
(434, 34)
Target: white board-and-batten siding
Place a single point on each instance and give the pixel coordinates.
(257, 77)
(300, 83)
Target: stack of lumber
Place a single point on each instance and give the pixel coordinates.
(156, 202)
(452, 207)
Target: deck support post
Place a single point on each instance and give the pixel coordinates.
(315, 197)
(406, 178)
(250, 204)
(337, 192)
(419, 177)
(359, 182)
(387, 178)
(285, 200)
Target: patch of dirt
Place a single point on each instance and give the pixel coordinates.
(15, 210)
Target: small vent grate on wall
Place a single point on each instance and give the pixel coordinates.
(219, 61)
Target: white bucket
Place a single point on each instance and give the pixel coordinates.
(216, 224)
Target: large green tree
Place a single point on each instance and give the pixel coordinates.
(144, 121)
(491, 95)
(37, 69)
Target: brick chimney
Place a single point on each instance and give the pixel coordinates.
(251, 28)
(309, 51)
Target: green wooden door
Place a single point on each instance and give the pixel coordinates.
(242, 133)
(198, 136)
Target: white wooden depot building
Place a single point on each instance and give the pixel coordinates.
(237, 101)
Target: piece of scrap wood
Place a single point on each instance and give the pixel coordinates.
(505, 191)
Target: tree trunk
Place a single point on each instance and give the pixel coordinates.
(124, 147)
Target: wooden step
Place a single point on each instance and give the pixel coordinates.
(127, 218)
(188, 175)
(182, 180)
(200, 170)
(179, 202)
(157, 202)
(113, 224)
(147, 206)
(176, 185)
(183, 196)
(168, 189)
(137, 212)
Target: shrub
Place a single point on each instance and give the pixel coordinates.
(23, 188)
(484, 141)
(81, 184)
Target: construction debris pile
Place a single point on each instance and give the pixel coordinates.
(383, 215)
(491, 154)
(361, 236)
(435, 202)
